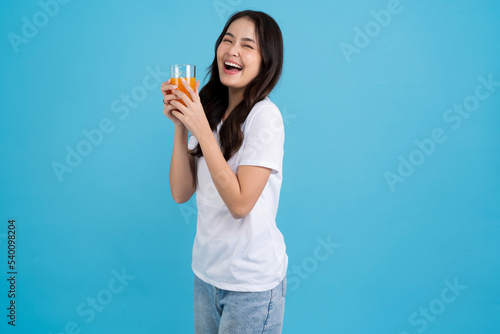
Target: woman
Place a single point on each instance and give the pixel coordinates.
(233, 161)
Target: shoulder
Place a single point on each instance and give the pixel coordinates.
(264, 123)
(264, 111)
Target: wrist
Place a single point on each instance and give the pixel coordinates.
(180, 133)
(180, 128)
(205, 136)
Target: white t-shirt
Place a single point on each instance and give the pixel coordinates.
(245, 254)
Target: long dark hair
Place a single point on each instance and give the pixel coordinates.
(214, 95)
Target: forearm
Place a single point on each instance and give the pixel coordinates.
(225, 180)
(181, 176)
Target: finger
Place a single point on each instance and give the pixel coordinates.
(170, 115)
(167, 87)
(169, 109)
(167, 84)
(167, 92)
(179, 106)
(189, 89)
(168, 106)
(168, 112)
(195, 96)
(169, 97)
(183, 97)
(177, 114)
(197, 91)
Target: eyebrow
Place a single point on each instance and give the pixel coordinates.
(244, 39)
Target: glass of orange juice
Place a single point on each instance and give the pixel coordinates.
(188, 72)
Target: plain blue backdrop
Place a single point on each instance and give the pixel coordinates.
(390, 203)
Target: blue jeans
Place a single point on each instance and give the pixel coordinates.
(219, 311)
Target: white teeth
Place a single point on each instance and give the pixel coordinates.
(232, 64)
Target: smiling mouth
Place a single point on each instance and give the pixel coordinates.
(232, 67)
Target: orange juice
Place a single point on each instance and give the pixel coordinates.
(180, 86)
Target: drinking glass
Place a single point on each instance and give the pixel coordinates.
(188, 72)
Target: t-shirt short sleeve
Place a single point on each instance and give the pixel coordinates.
(192, 142)
(264, 137)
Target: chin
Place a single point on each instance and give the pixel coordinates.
(228, 82)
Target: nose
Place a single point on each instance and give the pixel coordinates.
(233, 50)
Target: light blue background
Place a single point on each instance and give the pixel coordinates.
(347, 121)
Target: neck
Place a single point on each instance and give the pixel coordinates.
(235, 97)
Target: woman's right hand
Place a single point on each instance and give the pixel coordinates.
(166, 88)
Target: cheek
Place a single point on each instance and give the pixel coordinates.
(220, 53)
(255, 63)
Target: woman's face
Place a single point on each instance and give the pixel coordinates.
(238, 55)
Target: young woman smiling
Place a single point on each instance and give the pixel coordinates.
(233, 161)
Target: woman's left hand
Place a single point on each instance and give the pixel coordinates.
(192, 114)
